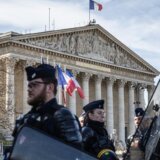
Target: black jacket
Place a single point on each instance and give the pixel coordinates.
(139, 135)
(96, 138)
(55, 120)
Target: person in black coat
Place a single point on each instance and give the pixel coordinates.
(46, 114)
(95, 137)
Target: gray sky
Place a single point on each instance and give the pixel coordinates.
(136, 23)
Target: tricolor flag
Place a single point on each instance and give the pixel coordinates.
(70, 84)
(65, 81)
(94, 5)
(62, 82)
(61, 79)
(77, 86)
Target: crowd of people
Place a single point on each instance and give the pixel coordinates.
(87, 134)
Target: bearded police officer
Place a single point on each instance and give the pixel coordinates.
(46, 114)
(95, 137)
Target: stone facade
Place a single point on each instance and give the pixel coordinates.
(103, 66)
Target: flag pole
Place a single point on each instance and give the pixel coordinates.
(49, 19)
(89, 11)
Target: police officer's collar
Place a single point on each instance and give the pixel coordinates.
(96, 124)
(49, 107)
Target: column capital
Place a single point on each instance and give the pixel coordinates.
(11, 61)
(110, 80)
(121, 82)
(86, 76)
(131, 84)
(99, 77)
(22, 65)
(30, 63)
(150, 87)
(143, 86)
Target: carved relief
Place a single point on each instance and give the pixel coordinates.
(91, 45)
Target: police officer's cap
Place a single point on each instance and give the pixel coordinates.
(139, 112)
(94, 105)
(42, 71)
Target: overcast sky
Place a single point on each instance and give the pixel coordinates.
(136, 23)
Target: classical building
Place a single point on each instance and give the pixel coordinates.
(104, 67)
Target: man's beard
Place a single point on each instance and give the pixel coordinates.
(39, 99)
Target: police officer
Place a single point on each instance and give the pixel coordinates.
(136, 141)
(95, 137)
(46, 114)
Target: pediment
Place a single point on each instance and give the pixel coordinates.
(92, 42)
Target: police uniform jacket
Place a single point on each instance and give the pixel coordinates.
(138, 136)
(55, 120)
(96, 138)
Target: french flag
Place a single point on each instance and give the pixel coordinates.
(70, 87)
(62, 82)
(77, 86)
(61, 79)
(94, 5)
(65, 81)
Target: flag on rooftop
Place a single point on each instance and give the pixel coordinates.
(95, 5)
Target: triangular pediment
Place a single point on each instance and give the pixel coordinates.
(92, 42)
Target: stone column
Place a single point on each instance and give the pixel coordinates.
(109, 104)
(121, 128)
(98, 88)
(72, 102)
(10, 90)
(60, 95)
(85, 86)
(25, 93)
(72, 99)
(150, 89)
(131, 126)
(141, 96)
